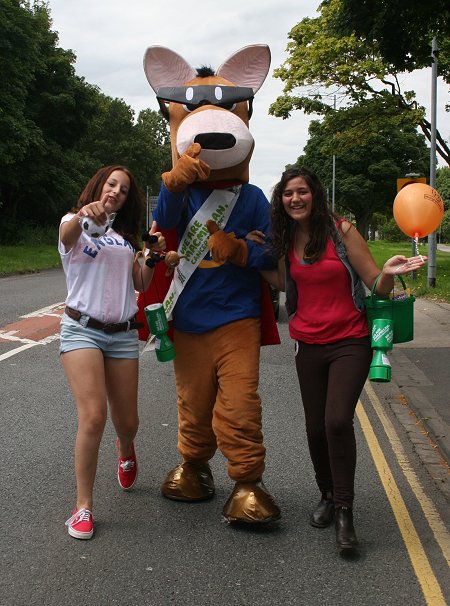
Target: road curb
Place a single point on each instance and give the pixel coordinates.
(430, 418)
(408, 378)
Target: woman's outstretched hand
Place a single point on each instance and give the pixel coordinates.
(96, 210)
(401, 265)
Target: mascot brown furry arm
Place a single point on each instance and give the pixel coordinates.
(220, 309)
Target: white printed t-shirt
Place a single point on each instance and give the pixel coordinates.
(99, 276)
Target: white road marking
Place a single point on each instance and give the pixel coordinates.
(46, 311)
(13, 352)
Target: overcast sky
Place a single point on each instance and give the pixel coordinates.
(109, 38)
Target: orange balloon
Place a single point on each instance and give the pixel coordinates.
(418, 209)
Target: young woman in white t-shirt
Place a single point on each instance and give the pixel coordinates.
(99, 338)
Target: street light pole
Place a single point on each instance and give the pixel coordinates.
(432, 237)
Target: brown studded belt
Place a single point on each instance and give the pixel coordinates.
(107, 328)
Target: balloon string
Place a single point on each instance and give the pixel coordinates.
(416, 243)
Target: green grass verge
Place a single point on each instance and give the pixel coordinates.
(381, 251)
(28, 259)
(33, 258)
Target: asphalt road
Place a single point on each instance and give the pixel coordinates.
(150, 551)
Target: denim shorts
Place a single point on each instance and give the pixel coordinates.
(117, 345)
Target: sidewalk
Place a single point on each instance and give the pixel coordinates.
(421, 370)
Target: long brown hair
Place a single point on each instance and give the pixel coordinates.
(321, 224)
(128, 222)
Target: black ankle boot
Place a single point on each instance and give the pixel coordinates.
(324, 513)
(345, 533)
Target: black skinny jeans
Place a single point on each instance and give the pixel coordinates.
(331, 379)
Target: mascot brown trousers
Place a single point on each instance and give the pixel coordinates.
(217, 376)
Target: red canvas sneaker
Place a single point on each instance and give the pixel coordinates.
(81, 524)
(127, 470)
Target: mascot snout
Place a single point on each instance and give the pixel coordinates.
(224, 138)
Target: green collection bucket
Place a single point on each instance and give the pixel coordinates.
(400, 311)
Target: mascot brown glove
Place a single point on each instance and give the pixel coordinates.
(226, 247)
(188, 169)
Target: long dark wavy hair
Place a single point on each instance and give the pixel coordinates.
(128, 222)
(322, 222)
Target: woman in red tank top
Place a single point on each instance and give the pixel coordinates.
(323, 261)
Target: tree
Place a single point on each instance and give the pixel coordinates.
(443, 185)
(367, 172)
(324, 62)
(402, 29)
(115, 138)
(46, 108)
(150, 149)
(106, 141)
(56, 130)
(18, 53)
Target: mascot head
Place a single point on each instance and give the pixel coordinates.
(210, 108)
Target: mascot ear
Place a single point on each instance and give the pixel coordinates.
(164, 67)
(248, 66)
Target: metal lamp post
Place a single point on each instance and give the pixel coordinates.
(432, 237)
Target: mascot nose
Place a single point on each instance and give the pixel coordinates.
(216, 140)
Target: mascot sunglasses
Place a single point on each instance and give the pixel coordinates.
(196, 96)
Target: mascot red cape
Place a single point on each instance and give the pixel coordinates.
(219, 306)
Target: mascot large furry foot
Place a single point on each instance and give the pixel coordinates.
(251, 503)
(189, 482)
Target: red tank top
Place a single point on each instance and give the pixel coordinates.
(325, 309)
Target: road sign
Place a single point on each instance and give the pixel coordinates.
(405, 181)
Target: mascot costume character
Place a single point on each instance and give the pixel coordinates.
(219, 307)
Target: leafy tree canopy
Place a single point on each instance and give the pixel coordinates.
(443, 185)
(402, 29)
(326, 64)
(56, 129)
(366, 174)
(45, 109)
(150, 150)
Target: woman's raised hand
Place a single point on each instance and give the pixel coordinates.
(96, 210)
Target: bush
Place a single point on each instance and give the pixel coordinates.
(444, 230)
(390, 232)
(15, 234)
